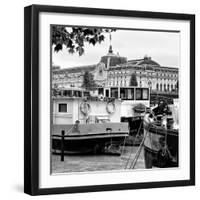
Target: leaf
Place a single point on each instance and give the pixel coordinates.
(92, 41)
(69, 44)
(87, 32)
(76, 36)
(71, 50)
(87, 39)
(58, 47)
(81, 51)
(101, 38)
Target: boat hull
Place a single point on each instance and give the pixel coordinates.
(92, 145)
(93, 140)
(160, 147)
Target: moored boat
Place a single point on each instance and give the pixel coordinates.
(105, 138)
(161, 142)
(92, 125)
(105, 119)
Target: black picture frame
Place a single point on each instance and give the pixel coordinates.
(31, 98)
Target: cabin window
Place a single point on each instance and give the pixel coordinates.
(145, 94)
(142, 93)
(86, 94)
(114, 92)
(127, 93)
(62, 107)
(67, 93)
(138, 94)
(77, 94)
(59, 93)
(100, 91)
(107, 93)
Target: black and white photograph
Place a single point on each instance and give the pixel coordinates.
(109, 100)
(114, 99)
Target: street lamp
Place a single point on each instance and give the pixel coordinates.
(149, 84)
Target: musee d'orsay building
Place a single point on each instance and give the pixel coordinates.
(115, 70)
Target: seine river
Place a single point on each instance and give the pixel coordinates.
(89, 163)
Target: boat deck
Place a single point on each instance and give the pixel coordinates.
(85, 130)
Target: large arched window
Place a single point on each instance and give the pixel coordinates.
(171, 87)
(164, 87)
(157, 86)
(161, 87)
(168, 87)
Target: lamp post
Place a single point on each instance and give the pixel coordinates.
(150, 84)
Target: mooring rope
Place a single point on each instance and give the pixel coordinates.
(134, 162)
(123, 147)
(133, 146)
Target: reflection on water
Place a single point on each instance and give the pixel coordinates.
(85, 163)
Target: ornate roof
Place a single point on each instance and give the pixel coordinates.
(148, 62)
(145, 61)
(117, 62)
(114, 59)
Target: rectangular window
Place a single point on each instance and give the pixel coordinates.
(138, 94)
(130, 93)
(67, 93)
(107, 93)
(114, 92)
(145, 94)
(86, 94)
(77, 93)
(62, 107)
(127, 93)
(142, 93)
(100, 91)
(122, 93)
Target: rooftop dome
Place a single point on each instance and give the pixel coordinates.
(112, 59)
(148, 61)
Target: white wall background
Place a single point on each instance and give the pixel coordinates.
(11, 101)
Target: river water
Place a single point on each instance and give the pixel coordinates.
(89, 163)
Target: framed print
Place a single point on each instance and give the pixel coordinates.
(109, 99)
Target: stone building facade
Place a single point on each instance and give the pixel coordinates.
(115, 70)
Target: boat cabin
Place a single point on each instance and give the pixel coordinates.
(131, 97)
(127, 93)
(101, 105)
(72, 104)
(72, 92)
